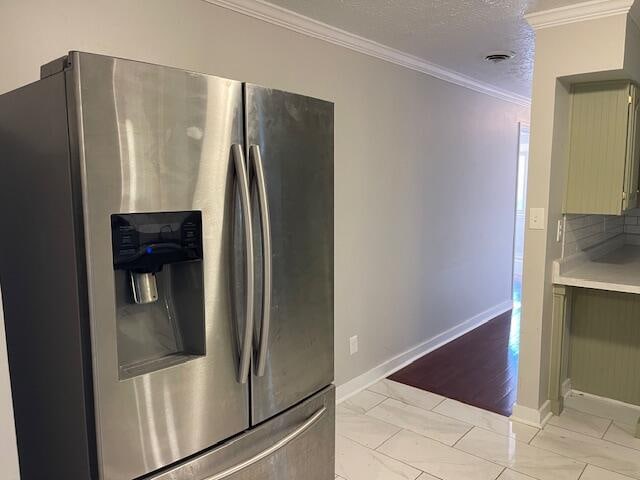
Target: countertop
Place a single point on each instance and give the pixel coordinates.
(615, 270)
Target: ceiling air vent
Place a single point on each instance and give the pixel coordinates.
(499, 57)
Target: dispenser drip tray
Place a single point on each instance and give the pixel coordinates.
(157, 261)
(148, 366)
(164, 332)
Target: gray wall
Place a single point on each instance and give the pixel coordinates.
(425, 170)
(564, 53)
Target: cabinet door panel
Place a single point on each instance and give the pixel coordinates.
(597, 163)
(633, 151)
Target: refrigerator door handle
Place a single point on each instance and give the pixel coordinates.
(310, 422)
(256, 161)
(243, 182)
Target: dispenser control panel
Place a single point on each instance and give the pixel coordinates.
(144, 242)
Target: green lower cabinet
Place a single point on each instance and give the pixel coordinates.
(604, 151)
(604, 344)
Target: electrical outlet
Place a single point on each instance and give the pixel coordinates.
(536, 219)
(353, 345)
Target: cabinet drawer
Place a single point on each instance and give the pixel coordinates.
(297, 444)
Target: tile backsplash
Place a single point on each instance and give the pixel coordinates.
(632, 222)
(583, 232)
(586, 231)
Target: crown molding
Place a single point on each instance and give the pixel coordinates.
(579, 12)
(307, 26)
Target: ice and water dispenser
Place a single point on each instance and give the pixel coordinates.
(157, 261)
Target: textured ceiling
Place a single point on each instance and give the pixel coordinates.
(455, 34)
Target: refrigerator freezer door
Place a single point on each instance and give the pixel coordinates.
(155, 139)
(297, 445)
(294, 136)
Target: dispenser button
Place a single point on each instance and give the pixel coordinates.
(127, 252)
(127, 240)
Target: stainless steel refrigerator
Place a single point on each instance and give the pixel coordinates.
(166, 265)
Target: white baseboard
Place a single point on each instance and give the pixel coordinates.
(398, 362)
(565, 388)
(603, 407)
(537, 418)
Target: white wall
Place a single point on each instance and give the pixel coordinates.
(424, 170)
(8, 453)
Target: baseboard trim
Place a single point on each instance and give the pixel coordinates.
(603, 407)
(565, 388)
(537, 418)
(361, 382)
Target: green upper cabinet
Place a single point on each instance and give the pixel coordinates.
(604, 150)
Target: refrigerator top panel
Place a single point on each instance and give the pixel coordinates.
(155, 140)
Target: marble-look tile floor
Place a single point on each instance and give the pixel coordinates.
(395, 432)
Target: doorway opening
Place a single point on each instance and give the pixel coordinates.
(518, 241)
(480, 368)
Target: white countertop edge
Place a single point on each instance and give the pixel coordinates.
(562, 268)
(569, 263)
(595, 285)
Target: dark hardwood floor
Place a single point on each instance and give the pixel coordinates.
(479, 368)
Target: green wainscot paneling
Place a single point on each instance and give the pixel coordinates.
(605, 344)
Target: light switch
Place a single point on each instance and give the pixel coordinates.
(353, 344)
(536, 219)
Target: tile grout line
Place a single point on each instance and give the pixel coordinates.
(581, 461)
(583, 470)
(606, 430)
(386, 397)
(588, 414)
(412, 405)
(461, 422)
(533, 446)
(464, 435)
(366, 446)
(371, 417)
(389, 456)
(535, 436)
(444, 399)
(623, 475)
(398, 460)
(515, 439)
(594, 438)
(379, 403)
(420, 408)
(618, 443)
(387, 440)
(577, 432)
(473, 426)
(437, 441)
(486, 429)
(473, 454)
